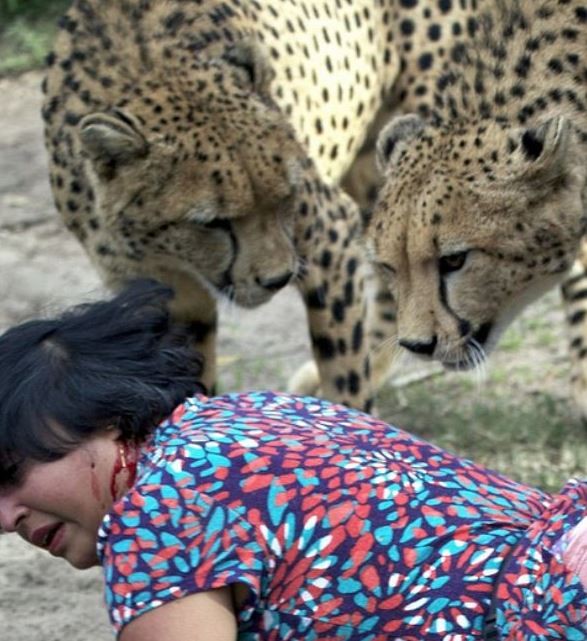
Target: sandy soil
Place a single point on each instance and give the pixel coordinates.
(42, 268)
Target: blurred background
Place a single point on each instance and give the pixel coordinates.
(27, 29)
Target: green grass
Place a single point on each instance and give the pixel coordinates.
(27, 31)
(533, 438)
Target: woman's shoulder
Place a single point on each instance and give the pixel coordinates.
(267, 406)
(226, 425)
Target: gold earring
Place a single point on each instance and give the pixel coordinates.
(122, 453)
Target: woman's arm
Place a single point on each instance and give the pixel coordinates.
(206, 616)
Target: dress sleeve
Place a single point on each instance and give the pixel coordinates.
(162, 542)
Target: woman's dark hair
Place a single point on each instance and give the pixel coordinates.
(120, 362)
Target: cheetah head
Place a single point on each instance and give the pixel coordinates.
(200, 178)
(472, 224)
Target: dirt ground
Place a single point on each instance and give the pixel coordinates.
(42, 268)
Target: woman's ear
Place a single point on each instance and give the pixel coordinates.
(113, 433)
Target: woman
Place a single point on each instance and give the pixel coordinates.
(263, 516)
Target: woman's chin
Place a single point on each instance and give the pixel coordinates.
(82, 559)
(83, 564)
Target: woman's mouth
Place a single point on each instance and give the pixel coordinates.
(56, 540)
(49, 537)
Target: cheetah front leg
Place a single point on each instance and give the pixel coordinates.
(334, 291)
(382, 341)
(340, 348)
(574, 292)
(195, 308)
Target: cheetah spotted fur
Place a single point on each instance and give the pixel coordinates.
(484, 203)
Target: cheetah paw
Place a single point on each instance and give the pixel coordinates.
(305, 381)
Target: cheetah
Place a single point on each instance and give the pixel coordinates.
(483, 207)
(169, 131)
(199, 143)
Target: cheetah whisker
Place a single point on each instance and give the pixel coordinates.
(390, 345)
(227, 302)
(478, 360)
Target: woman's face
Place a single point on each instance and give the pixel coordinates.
(59, 506)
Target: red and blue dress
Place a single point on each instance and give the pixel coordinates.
(343, 528)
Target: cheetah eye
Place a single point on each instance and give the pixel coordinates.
(386, 269)
(218, 223)
(452, 262)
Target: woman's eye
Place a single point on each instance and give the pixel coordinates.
(452, 262)
(11, 475)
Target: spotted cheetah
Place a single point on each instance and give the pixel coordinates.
(484, 203)
(180, 138)
(169, 129)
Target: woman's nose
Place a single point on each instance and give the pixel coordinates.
(11, 512)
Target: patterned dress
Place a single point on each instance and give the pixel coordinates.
(342, 527)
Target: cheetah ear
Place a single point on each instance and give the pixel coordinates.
(252, 58)
(400, 129)
(112, 139)
(544, 148)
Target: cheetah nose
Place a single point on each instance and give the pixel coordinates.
(420, 347)
(275, 283)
